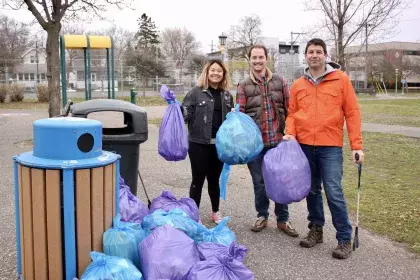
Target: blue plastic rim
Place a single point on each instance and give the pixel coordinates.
(17, 217)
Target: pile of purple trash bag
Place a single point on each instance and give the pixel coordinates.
(166, 241)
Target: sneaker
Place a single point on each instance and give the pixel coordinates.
(342, 251)
(259, 224)
(288, 229)
(216, 217)
(315, 236)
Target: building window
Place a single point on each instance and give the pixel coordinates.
(32, 76)
(33, 59)
(93, 77)
(20, 76)
(26, 77)
(43, 76)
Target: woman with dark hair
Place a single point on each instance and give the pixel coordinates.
(205, 108)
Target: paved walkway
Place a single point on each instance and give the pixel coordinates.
(271, 255)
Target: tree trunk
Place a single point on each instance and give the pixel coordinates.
(53, 68)
(340, 48)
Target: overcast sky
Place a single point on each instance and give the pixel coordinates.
(208, 19)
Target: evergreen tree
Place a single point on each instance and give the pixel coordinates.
(147, 36)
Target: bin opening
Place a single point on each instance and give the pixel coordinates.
(114, 123)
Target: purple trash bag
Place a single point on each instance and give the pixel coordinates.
(221, 267)
(286, 172)
(173, 137)
(167, 253)
(167, 201)
(131, 208)
(209, 250)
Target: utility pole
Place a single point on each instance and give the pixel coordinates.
(212, 46)
(157, 77)
(37, 62)
(366, 25)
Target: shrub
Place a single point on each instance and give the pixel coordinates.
(3, 93)
(42, 93)
(16, 92)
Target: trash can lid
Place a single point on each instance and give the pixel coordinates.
(138, 114)
(67, 142)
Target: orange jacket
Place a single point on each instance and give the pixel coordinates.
(316, 112)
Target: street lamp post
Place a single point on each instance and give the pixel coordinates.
(396, 81)
(222, 41)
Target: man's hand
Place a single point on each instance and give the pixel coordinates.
(361, 156)
(289, 137)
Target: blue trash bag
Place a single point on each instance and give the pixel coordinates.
(238, 140)
(167, 201)
(122, 239)
(131, 208)
(221, 267)
(105, 267)
(224, 178)
(286, 172)
(173, 137)
(167, 253)
(220, 234)
(209, 250)
(176, 218)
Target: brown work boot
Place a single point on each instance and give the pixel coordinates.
(259, 224)
(288, 229)
(315, 236)
(342, 251)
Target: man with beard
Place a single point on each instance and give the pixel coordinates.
(264, 96)
(320, 102)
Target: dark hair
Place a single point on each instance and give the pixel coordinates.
(258, 47)
(316, 42)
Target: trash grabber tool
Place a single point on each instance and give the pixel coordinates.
(356, 231)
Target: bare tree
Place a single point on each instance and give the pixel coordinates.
(346, 20)
(145, 65)
(196, 63)
(50, 14)
(245, 34)
(121, 40)
(179, 44)
(273, 58)
(14, 41)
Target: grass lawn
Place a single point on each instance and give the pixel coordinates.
(397, 112)
(34, 104)
(390, 188)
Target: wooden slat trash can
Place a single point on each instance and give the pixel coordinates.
(66, 193)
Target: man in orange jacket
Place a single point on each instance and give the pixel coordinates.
(320, 101)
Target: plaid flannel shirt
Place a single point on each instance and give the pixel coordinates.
(270, 122)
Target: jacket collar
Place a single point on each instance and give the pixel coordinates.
(330, 67)
(268, 74)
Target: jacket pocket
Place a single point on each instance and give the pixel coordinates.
(303, 100)
(282, 120)
(330, 99)
(199, 124)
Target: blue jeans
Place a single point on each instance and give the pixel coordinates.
(262, 203)
(327, 167)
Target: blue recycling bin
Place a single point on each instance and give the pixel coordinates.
(66, 194)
